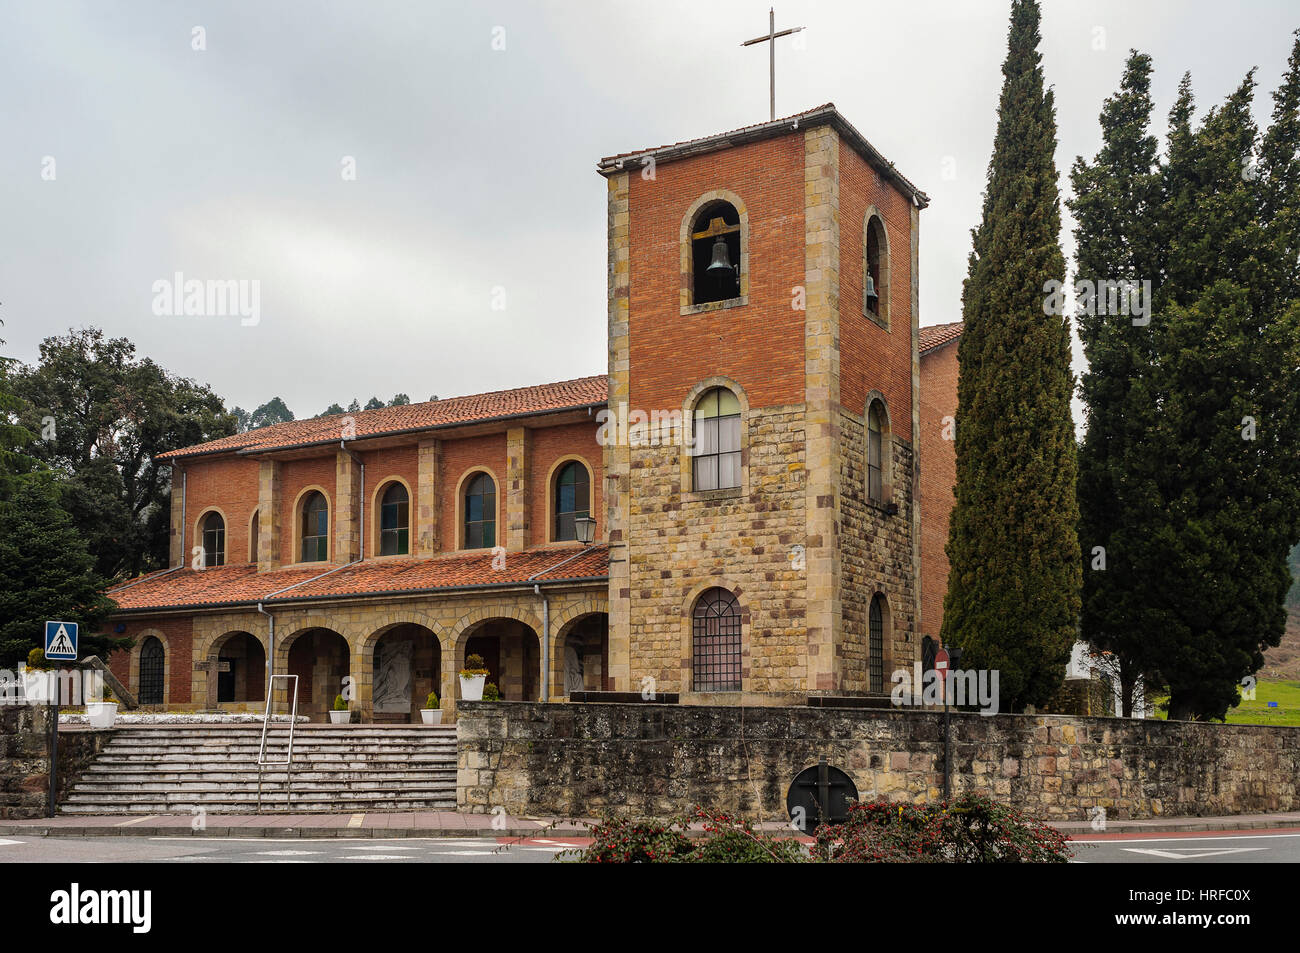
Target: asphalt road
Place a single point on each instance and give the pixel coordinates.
(1275, 847)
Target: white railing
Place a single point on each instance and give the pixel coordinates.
(261, 752)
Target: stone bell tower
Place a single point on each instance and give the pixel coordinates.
(762, 293)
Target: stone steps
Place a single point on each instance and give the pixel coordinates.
(188, 768)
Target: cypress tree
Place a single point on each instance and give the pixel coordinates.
(1013, 594)
(1115, 198)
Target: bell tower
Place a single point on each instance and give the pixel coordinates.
(762, 300)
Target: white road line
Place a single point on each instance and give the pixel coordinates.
(1137, 838)
(386, 846)
(135, 820)
(1176, 855)
(10, 843)
(377, 857)
(289, 853)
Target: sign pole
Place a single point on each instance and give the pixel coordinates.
(53, 710)
(61, 640)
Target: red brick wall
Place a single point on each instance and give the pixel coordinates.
(230, 485)
(549, 444)
(381, 467)
(459, 456)
(761, 344)
(294, 475)
(872, 358)
(179, 662)
(938, 476)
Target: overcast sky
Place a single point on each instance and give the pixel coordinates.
(475, 166)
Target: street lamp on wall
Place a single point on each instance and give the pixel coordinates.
(585, 526)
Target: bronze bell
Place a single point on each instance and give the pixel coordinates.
(871, 287)
(721, 258)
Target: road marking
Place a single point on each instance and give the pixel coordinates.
(10, 843)
(135, 820)
(462, 853)
(288, 853)
(387, 846)
(1138, 838)
(356, 820)
(1194, 854)
(377, 857)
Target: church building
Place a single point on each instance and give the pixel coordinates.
(741, 510)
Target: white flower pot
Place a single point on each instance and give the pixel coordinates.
(101, 714)
(340, 717)
(431, 716)
(471, 687)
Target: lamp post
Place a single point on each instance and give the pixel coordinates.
(585, 527)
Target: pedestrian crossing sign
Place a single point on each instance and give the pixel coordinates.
(61, 641)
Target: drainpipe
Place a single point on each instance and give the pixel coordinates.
(546, 622)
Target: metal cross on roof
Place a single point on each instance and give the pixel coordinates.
(770, 38)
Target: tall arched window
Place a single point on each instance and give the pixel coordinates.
(152, 665)
(875, 454)
(572, 498)
(715, 642)
(395, 521)
(876, 644)
(480, 512)
(315, 528)
(715, 253)
(875, 270)
(717, 440)
(214, 540)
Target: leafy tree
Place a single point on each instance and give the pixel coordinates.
(113, 413)
(273, 411)
(374, 403)
(1013, 594)
(331, 410)
(242, 418)
(354, 407)
(399, 400)
(14, 438)
(1116, 196)
(45, 573)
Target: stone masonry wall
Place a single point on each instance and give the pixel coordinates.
(24, 760)
(591, 759)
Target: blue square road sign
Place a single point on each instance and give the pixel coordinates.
(61, 641)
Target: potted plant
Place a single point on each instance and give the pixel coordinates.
(102, 714)
(472, 677)
(491, 693)
(340, 715)
(431, 713)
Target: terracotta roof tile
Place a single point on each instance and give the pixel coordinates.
(244, 585)
(389, 420)
(937, 335)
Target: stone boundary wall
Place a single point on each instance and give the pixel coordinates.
(588, 760)
(24, 760)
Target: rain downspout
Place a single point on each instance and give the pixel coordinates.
(546, 622)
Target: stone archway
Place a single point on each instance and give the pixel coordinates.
(511, 652)
(404, 662)
(581, 655)
(321, 658)
(236, 672)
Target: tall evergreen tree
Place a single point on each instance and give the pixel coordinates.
(1014, 589)
(1115, 199)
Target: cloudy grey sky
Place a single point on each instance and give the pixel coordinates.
(474, 165)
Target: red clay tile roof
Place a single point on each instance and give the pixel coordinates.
(826, 114)
(244, 585)
(937, 335)
(520, 401)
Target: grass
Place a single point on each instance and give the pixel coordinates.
(1257, 712)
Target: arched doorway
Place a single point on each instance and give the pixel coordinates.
(322, 660)
(511, 653)
(239, 662)
(584, 655)
(405, 665)
(153, 663)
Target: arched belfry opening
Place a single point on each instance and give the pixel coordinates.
(715, 253)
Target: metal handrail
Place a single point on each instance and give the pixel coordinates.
(261, 751)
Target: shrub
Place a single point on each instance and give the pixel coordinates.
(971, 829)
(474, 666)
(432, 700)
(491, 693)
(340, 704)
(724, 840)
(37, 661)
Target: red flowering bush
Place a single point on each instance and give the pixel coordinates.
(971, 829)
(723, 840)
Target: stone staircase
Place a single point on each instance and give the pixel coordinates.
(171, 769)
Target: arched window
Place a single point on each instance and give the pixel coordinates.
(875, 270)
(572, 498)
(254, 536)
(315, 528)
(395, 521)
(715, 253)
(876, 644)
(214, 540)
(717, 440)
(715, 643)
(875, 454)
(152, 664)
(480, 512)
